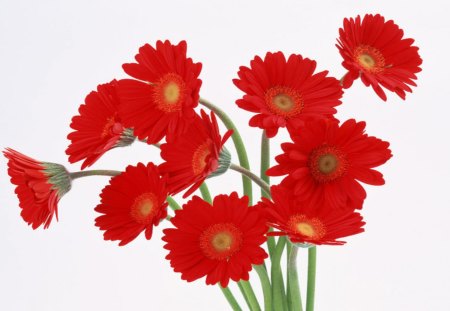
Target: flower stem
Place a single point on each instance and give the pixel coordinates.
(261, 183)
(265, 164)
(249, 295)
(265, 283)
(80, 174)
(230, 298)
(172, 203)
(206, 195)
(278, 293)
(294, 298)
(238, 143)
(265, 160)
(312, 255)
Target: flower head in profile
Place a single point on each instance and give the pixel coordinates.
(98, 127)
(286, 92)
(162, 100)
(375, 50)
(39, 187)
(193, 156)
(133, 202)
(221, 240)
(307, 224)
(326, 162)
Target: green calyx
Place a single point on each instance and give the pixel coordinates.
(58, 176)
(224, 163)
(126, 138)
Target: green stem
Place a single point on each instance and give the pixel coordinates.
(265, 159)
(265, 164)
(206, 195)
(278, 293)
(172, 203)
(241, 288)
(265, 284)
(80, 174)
(312, 255)
(238, 143)
(261, 183)
(294, 298)
(230, 298)
(288, 254)
(249, 295)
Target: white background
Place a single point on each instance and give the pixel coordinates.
(52, 54)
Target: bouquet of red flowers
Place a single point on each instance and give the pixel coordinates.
(318, 201)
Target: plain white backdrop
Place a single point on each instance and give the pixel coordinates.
(53, 53)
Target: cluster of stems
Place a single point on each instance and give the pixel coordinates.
(279, 294)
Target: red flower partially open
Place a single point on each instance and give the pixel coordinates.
(163, 101)
(191, 157)
(98, 128)
(220, 241)
(308, 224)
(286, 92)
(374, 49)
(326, 160)
(133, 202)
(40, 185)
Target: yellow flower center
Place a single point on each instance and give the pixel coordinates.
(327, 163)
(311, 228)
(221, 241)
(144, 208)
(370, 58)
(305, 229)
(366, 60)
(284, 101)
(170, 93)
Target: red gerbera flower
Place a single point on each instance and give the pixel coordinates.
(375, 50)
(220, 241)
(98, 128)
(40, 185)
(286, 92)
(164, 101)
(325, 161)
(133, 201)
(195, 155)
(304, 224)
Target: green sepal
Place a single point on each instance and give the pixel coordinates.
(58, 177)
(224, 163)
(126, 138)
